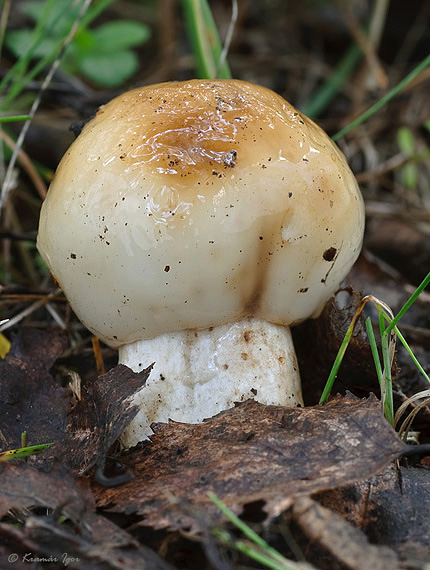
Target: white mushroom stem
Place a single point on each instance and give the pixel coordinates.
(198, 373)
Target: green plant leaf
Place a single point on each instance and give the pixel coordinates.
(20, 41)
(33, 9)
(23, 452)
(100, 54)
(410, 175)
(58, 19)
(110, 70)
(119, 35)
(406, 140)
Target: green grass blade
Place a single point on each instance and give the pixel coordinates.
(15, 118)
(336, 365)
(258, 549)
(243, 527)
(205, 65)
(251, 551)
(23, 452)
(387, 384)
(3, 22)
(374, 349)
(326, 93)
(411, 354)
(384, 100)
(409, 303)
(21, 83)
(204, 38)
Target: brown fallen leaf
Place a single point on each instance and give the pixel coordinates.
(23, 486)
(251, 453)
(47, 541)
(31, 400)
(85, 541)
(102, 414)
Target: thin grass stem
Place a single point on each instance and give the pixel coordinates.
(404, 406)
(384, 100)
(258, 549)
(409, 302)
(374, 349)
(325, 94)
(3, 22)
(243, 527)
(93, 11)
(336, 365)
(229, 36)
(411, 354)
(405, 428)
(387, 384)
(15, 118)
(341, 352)
(205, 42)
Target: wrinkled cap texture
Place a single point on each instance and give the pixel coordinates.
(187, 205)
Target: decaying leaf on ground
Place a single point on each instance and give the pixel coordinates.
(256, 458)
(50, 517)
(251, 453)
(32, 401)
(101, 416)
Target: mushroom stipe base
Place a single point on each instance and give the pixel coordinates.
(198, 373)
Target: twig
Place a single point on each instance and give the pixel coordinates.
(366, 46)
(27, 165)
(29, 310)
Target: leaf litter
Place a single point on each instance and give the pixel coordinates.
(273, 461)
(252, 453)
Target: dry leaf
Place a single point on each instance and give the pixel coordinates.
(31, 400)
(252, 453)
(85, 541)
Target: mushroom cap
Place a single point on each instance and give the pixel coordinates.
(186, 205)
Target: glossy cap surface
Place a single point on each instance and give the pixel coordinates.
(187, 205)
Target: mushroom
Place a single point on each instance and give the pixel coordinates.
(190, 225)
